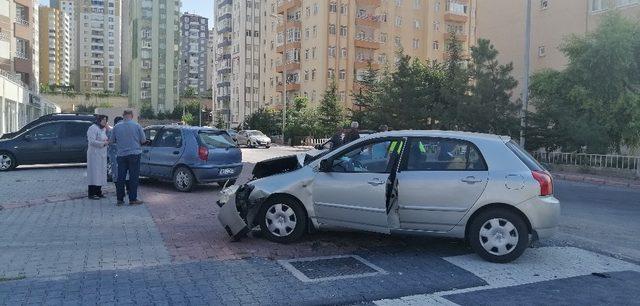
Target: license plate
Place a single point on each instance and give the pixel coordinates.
(227, 171)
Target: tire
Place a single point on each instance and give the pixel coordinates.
(266, 147)
(8, 162)
(249, 145)
(499, 235)
(183, 179)
(280, 209)
(227, 182)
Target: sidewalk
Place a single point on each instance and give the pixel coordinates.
(597, 179)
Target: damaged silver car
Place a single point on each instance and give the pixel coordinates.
(478, 187)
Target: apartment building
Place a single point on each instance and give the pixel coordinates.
(125, 48)
(69, 7)
(323, 41)
(155, 54)
(19, 42)
(211, 59)
(551, 22)
(194, 30)
(55, 49)
(98, 45)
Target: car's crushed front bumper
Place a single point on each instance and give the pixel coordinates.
(235, 210)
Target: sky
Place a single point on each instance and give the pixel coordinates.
(201, 7)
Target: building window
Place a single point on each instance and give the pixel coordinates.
(332, 29)
(332, 51)
(398, 21)
(544, 4)
(620, 3)
(343, 30)
(333, 7)
(397, 41)
(343, 52)
(343, 74)
(436, 45)
(313, 74)
(331, 73)
(599, 5)
(542, 51)
(416, 43)
(383, 37)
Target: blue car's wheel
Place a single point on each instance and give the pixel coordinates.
(7, 161)
(183, 179)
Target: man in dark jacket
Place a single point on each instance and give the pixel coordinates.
(336, 139)
(352, 134)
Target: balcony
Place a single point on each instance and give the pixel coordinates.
(290, 87)
(292, 24)
(459, 36)
(374, 3)
(286, 5)
(364, 64)
(290, 45)
(225, 43)
(366, 43)
(368, 21)
(288, 67)
(455, 17)
(21, 55)
(22, 29)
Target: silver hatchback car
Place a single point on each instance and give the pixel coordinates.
(478, 187)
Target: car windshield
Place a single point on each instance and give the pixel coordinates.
(310, 158)
(255, 133)
(216, 139)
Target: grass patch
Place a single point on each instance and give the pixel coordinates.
(8, 279)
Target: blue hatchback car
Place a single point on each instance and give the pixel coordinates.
(189, 156)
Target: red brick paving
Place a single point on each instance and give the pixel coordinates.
(191, 231)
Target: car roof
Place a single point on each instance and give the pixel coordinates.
(184, 127)
(445, 134)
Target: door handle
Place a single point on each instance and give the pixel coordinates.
(176, 152)
(375, 182)
(471, 180)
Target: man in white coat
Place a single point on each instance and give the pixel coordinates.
(97, 157)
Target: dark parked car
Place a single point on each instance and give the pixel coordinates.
(50, 117)
(190, 155)
(52, 142)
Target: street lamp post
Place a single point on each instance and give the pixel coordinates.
(525, 82)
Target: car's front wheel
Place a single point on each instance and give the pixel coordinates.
(282, 219)
(499, 235)
(183, 179)
(7, 161)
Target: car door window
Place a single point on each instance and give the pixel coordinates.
(169, 138)
(150, 134)
(46, 132)
(77, 129)
(437, 154)
(372, 157)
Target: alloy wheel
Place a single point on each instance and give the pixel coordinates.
(183, 179)
(498, 236)
(5, 162)
(280, 220)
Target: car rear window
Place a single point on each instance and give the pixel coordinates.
(525, 157)
(216, 139)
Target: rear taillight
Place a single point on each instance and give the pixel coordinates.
(545, 181)
(203, 153)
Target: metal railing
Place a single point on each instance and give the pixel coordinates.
(620, 162)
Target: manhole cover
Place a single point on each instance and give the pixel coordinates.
(314, 269)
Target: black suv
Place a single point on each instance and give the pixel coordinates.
(52, 142)
(51, 117)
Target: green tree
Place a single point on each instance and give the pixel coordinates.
(455, 86)
(594, 104)
(265, 120)
(330, 112)
(301, 120)
(488, 108)
(366, 100)
(146, 111)
(188, 119)
(219, 121)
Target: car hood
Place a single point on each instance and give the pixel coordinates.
(278, 165)
(261, 138)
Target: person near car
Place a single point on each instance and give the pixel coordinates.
(383, 128)
(97, 157)
(352, 133)
(128, 137)
(113, 155)
(336, 139)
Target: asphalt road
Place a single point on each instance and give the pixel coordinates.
(598, 218)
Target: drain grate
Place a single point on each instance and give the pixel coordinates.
(315, 269)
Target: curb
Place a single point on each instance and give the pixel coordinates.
(597, 181)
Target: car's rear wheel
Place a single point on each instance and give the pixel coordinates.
(282, 219)
(249, 145)
(499, 235)
(183, 179)
(7, 161)
(227, 183)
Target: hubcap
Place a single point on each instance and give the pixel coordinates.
(498, 236)
(280, 219)
(183, 179)
(5, 162)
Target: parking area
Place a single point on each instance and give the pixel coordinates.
(172, 250)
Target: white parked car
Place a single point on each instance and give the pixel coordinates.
(253, 139)
(478, 187)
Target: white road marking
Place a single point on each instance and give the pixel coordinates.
(535, 265)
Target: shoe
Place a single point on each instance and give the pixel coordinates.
(94, 198)
(135, 202)
(119, 203)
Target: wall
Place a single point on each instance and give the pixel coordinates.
(17, 108)
(67, 103)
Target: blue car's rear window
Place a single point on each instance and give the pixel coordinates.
(216, 139)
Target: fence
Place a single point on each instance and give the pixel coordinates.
(315, 141)
(618, 162)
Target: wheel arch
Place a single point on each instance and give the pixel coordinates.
(13, 155)
(183, 165)
(290, 197)
(493, 206)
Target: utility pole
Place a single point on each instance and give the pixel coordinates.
(525, 82)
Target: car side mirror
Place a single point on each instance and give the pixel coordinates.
(326, 165)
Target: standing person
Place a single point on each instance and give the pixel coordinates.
(336, 139)
(352, 134)
(113, 151)
(383, 128)
(128, 137)
(97, 157)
